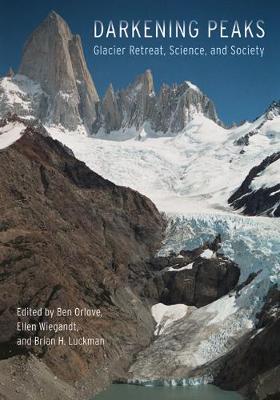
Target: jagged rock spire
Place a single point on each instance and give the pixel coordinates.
(112, 112)
(54, 58)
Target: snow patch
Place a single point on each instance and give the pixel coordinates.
(192, 86)
(268, 178)
(207, 254)
(189, 266)
(167, 315)
(10, 133)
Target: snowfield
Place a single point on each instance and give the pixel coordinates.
(167, 315)
(268, 178)
(195, 171)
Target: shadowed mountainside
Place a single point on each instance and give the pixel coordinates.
(69, 238)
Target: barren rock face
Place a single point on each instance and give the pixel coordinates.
(112, 112)
(54, 58)
(127, 108)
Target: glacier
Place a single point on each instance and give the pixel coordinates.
(190, 176)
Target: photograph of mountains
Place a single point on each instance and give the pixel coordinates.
(139, 200)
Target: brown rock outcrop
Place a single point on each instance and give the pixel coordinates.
(192, 279)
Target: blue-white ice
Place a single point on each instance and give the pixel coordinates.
(252, 242)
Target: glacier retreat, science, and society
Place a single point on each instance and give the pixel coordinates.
(178, 29)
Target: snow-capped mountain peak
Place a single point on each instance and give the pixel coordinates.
(192, 86)
(273, 110)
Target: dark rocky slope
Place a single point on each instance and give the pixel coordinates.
(253, 367)
(69, 238)
(265, 200)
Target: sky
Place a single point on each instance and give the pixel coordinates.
(241, 87)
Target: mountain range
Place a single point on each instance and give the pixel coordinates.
(53, 84)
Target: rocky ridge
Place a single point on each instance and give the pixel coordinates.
(138, 106)
(256, 196)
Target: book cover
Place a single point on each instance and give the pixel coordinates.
(139, 200)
